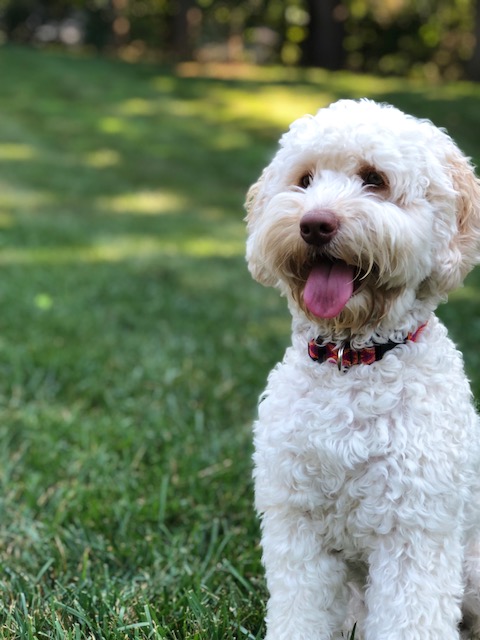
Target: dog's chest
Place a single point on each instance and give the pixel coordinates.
(328, 432)
(350, 449)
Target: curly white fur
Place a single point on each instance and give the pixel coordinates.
(368, 480)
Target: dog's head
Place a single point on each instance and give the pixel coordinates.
(364, 212)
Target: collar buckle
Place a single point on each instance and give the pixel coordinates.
(340, 352)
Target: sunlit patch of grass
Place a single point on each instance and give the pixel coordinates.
(112, 125)
(107, 251)
(12, 151)
(137, 107)
(208, 247)
(144, 202)
(127, 248)
(102, 158)
(284, 105)
(23, 198)
(6, 220)
(124, 248)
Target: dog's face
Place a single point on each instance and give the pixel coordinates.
(363, 210)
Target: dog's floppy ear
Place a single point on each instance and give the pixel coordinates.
(467, 186)
(464, 249)
(256, 197)
(254, 205)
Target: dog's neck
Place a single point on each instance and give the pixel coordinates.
(345, 356)
(304, 330)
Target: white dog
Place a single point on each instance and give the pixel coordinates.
(367, 445)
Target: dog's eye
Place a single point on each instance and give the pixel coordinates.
(372, 178)
(305, 181)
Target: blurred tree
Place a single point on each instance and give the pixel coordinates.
(20, 18)
(98, 25)
(427, 38)
(181, 33)
(474, 63)
(430, 38)
(323, 46)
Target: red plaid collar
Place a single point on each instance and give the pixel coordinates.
(344, 356)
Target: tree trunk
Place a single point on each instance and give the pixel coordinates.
(473, 66)
(324, 44)
(181, 36)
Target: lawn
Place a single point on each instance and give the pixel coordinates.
(134, 343)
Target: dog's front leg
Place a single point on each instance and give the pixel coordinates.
(415, 588)
(306, 583)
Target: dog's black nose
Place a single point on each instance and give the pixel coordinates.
(319, 226)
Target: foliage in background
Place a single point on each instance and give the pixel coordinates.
(410, 37)
(428, 38)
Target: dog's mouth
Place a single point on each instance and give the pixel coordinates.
(329, 286)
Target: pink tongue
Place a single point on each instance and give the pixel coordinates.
(329, 287)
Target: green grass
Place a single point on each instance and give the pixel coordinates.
(133, 344)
